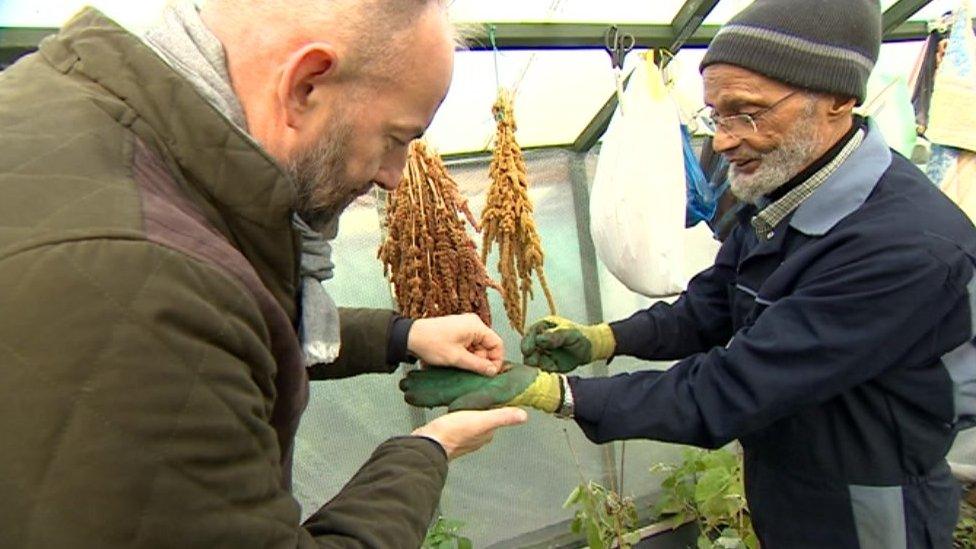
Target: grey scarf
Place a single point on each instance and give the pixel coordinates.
(181, 38)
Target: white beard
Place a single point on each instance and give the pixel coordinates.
(779, 165)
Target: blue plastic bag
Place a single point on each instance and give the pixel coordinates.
(702, 198)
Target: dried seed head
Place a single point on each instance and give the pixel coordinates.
(428, 255)
(507, 220)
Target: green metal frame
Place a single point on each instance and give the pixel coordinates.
(893, 20)
(689, 18)
(17, 41)
(536, 36)
(900, 12)
(685, 30)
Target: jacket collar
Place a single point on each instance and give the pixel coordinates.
(239, 187)
(847, 188)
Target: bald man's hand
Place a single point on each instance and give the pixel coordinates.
(459, 341)
(461, 433)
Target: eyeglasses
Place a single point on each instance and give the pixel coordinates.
(736, 125)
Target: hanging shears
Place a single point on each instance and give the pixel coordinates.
(618, 45)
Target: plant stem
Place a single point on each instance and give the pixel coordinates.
(579, 468)
(623, 454)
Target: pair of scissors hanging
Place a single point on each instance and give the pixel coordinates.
(618, 44)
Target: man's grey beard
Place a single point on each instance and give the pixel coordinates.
(323, 191)
(779, 165)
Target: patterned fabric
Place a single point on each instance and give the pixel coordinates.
(941, 163)
(951, 117)
(765, 221)
(958, 180)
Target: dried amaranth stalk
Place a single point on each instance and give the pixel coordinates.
(507, 220)
(428, 255)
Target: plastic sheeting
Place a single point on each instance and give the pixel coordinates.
(890, 105)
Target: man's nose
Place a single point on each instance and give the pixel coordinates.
(387, 179)
(724, 141)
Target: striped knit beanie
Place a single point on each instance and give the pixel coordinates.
(820, 45)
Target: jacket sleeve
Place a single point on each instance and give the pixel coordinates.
(139, 386)
(698, 320)
(386, 492)
(849, 320)
(365, 335)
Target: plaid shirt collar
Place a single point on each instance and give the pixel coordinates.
(766, 221)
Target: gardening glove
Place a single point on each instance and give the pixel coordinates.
(555, 344)
(518, 385)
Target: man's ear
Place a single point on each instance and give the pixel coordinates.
(840, 106)
(307, 69)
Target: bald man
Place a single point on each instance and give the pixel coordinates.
(163, 201)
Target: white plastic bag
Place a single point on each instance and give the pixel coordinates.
(637, 203)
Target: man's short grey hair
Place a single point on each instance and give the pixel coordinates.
(377, 31)
(381, 29)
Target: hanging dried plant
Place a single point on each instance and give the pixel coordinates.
(507, 220)
(428, 255)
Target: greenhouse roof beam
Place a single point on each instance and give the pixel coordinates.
(688, 19)
(907, 32)
(895, 24)
(900, 12)
(535, 36)
(597, 126)
(16, 41)
(686, 25)
(508, 36)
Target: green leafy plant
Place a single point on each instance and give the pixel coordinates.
(965, 535)
(707, 487)
(606, 518)
(602, 515)
(445, 534)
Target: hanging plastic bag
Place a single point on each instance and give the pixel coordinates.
(638, 199)
(701, 197)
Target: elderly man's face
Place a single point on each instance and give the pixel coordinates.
(788, 134)
(363, 138)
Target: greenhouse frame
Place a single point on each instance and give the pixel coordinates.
(551, 54)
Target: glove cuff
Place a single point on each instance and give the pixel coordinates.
(602, 341)
(545, 393)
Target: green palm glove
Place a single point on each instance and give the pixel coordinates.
(461, 390)
(555, 344)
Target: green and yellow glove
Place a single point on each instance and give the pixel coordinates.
(519, 385)
(555, 344)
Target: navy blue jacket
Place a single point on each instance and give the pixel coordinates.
(840, 352)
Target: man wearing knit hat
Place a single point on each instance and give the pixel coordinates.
(833, 337)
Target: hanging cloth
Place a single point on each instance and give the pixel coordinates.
(959, 181)
(952, 116)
